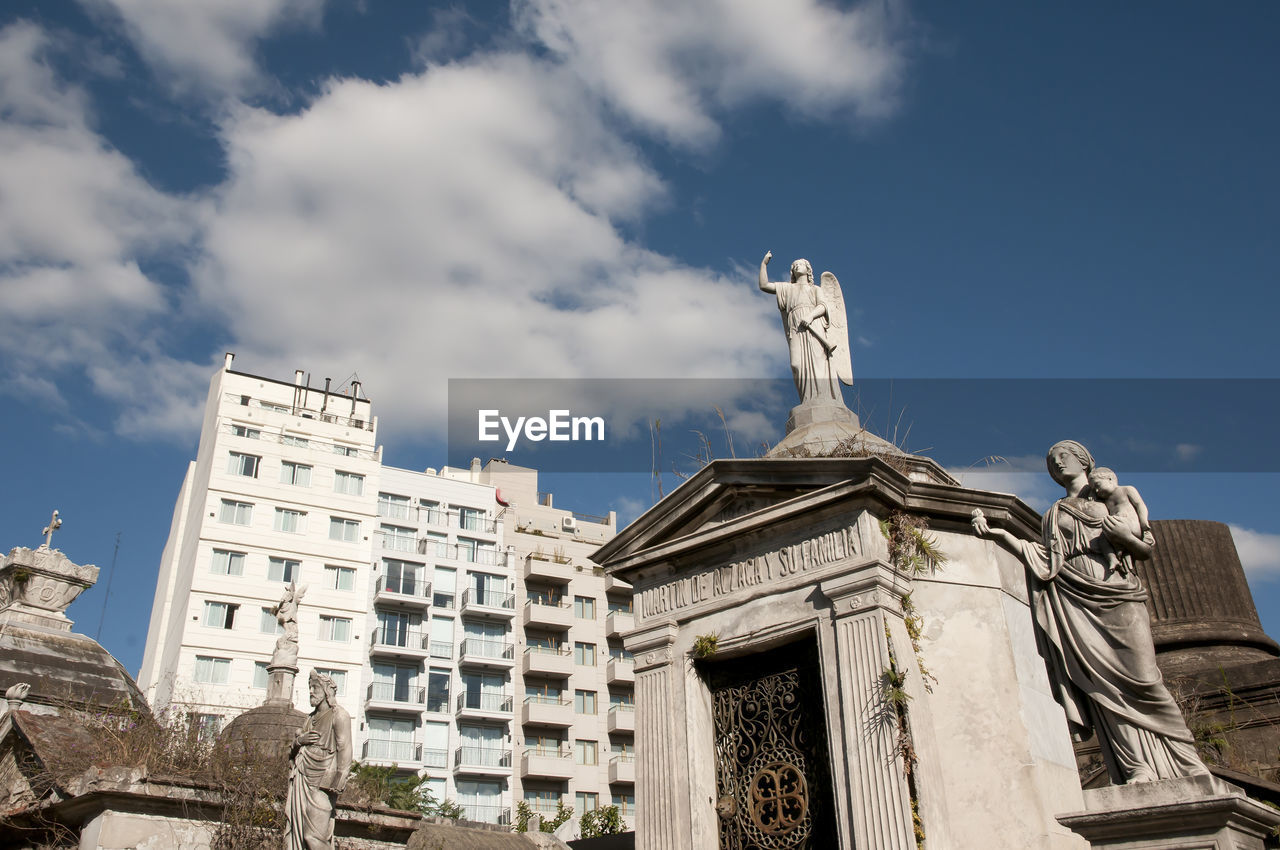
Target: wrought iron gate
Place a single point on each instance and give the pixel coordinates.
(773, 782)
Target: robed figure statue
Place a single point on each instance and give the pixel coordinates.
(817, 332)
(1089, 607)
(321, 763)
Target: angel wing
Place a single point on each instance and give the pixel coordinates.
(838, 328)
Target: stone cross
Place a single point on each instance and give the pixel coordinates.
(54, 525)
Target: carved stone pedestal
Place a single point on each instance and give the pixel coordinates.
(1196, 813)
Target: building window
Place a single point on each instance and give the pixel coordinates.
(398, 538)
(220, 615)
(584, 607)
(438, 690)
(245, 431)
(346, 530)
(345, 451)
(617, 653)
(227, 563)
(206, 726)
(290, 520)
(297, 474)
(586, 801)
(620, 606)
(268, 624)
(339, 679)
(584, 654)
(585, 752)
(235, 513)
(542, 801)
(335, 628)
(282, 569)
(212, 671)
(626, 803)
(278, 408)
(260, 674)
(471, 519)
(392, 506)
(349, 483)
(294, 440)
(584, 702)
(339, 578)
(242, 464)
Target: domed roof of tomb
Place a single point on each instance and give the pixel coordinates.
(37, 645)
(266, 731)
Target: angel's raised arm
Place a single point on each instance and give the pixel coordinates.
(765, 285)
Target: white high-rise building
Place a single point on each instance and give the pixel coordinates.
(471, 639)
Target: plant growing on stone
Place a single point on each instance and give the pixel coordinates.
(911, 549)
(704, 646)
(524, 813)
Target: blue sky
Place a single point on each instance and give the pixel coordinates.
(418, 192)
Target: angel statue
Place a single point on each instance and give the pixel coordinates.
(286, 613)
(817, 332)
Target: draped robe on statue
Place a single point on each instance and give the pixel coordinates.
(810, 364)
(1089, 606)
(319, 770)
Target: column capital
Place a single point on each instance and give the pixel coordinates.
(651, 645)
(873, 584)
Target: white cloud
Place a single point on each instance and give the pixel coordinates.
(76, 219)
(207, 46)
(670, 67)
(459, 223)
(1259, 552)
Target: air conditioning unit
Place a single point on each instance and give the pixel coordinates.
(568, 524)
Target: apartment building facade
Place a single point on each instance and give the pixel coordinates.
(456, 610)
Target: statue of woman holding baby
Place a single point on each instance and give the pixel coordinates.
(1089, 606)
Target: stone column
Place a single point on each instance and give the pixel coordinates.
(662, 767)
(878, 797)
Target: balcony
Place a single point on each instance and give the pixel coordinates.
(438, 759)
(491, 654)
(488, 605)
(618, 623)
(400, 643)
(622, 718)
(616, 585)
(622, 768)
(405, 591)
(438, 703)
(433, 548)
(388, 696)
(546, 763)
(554, 616)
(482, 761)
(473, 705)
(621, 671)
(481, 813)
(547, 711)
(385, 752)
(442, 649)
(547, 568)
(547, 661)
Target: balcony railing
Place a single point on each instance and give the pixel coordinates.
(481, 648)
(549, 650)
(404, 586)
(561, 752)
(435, 758)
(438, 702)
(392, 692)
(440, 599)
(440, 648)
(397, 751)
(302, 412)
(396, 541)
(403, 638)
(486, 813)
(489, 599)
(473, 756)
(433, 548)
(548, 699)
(484, 702)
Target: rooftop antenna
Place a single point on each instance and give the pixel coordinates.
(107, 595)
(54, 525)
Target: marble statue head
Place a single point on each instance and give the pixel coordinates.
(322, 687)
(801, 268)
(1073, 449)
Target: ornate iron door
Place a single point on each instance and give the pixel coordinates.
(773, 782)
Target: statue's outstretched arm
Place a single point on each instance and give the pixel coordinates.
(765, 285)
(1031, 554)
